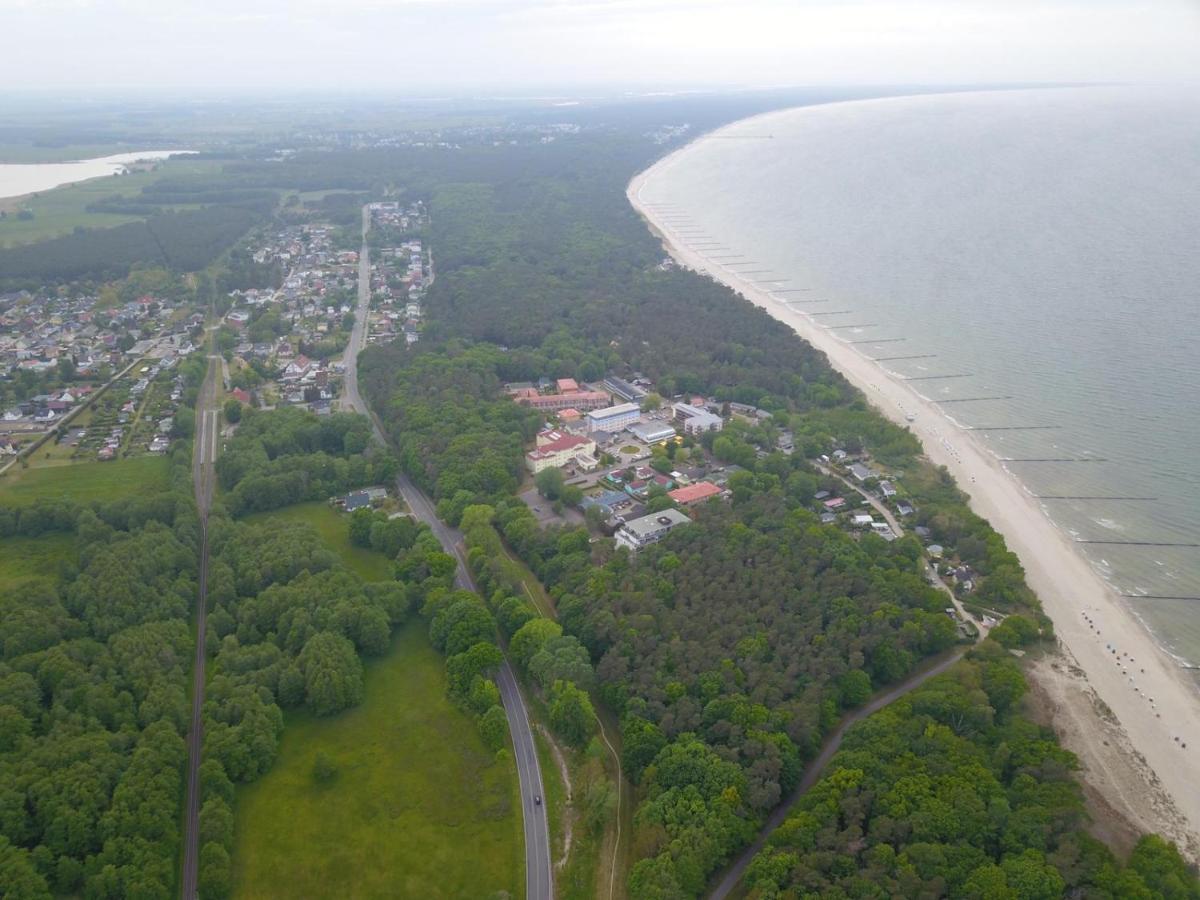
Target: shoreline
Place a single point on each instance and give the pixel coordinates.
(1066, 584)
(122, 161)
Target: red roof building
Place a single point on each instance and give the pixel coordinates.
(694, 493)
(581, 400)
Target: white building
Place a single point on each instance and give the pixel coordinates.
(653, 432)
(559, 448)
(696, 420)
(650, 529)
(613, 418)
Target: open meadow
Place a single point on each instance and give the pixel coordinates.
(418, 807)
(333, 527)
(25, 558)
(84, 482)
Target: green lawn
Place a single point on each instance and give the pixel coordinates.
(418, 808)
(85, 481)
(22, 558)
(333, 527)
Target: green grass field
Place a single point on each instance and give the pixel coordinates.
(85, 481)
(418, 808)
(332, 526)
(61, 210)
(23, 558)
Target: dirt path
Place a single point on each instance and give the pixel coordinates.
(616, 838)
(568, 813)
(727, 880)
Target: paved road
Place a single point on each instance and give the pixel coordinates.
(733, 873)
(358, 334)
(539, 872)
(204, 452)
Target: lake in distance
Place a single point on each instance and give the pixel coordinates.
(19, 179)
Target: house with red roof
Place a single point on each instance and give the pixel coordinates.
(695, 493)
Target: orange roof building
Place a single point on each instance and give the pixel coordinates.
(694, 493)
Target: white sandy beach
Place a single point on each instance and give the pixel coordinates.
(1070, 591)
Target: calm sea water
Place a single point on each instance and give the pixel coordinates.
(1040, 247)
(18, 179)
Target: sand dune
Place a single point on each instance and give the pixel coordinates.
(1087, 614)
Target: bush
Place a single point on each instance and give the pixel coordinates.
(333, 675)
(493, 726)
(1015, 631)
(215, 872)
(216, 823)
(324, 769)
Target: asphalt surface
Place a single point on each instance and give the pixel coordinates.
(539, 872)
(358, 334)
(204, 451)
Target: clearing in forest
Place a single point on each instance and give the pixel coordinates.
(416, 807)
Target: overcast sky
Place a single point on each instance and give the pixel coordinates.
(426, 44)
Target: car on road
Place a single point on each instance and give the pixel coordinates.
(537, 798)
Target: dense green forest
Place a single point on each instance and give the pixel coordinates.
(289, 625)
(287, 455)
(949, 792)
(732, 647)
(93, 697)
(186, 240)
(727, 651)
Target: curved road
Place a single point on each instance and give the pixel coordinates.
(204, 452)
(812, 772)
(539, 872)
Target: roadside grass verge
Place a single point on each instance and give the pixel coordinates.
(556, 795)
(418, 807)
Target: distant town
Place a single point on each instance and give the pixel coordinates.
(90, 378)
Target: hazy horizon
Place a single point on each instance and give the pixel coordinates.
(448, 46)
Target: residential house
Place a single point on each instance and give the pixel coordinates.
(639, 533)
(695, 493)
